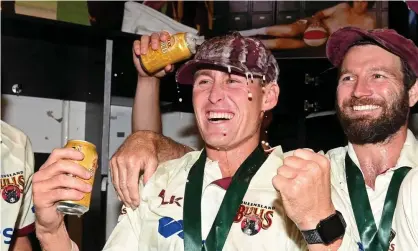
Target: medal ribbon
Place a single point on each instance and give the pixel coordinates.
(373, 239)
(192, 211)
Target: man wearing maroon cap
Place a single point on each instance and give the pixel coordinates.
(220, 198)
(375, 177)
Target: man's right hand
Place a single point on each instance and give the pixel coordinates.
(52, 184)
(141, 47)
(137, 153)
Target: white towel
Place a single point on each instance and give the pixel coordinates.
(141, 19)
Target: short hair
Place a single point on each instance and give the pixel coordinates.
(409, 78)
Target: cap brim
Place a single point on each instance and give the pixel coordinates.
(341, 40)
(185, 74)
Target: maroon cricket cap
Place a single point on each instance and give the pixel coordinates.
(247, 56)
(341, 40)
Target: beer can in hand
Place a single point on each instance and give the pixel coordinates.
(90, 163)
(178, 47)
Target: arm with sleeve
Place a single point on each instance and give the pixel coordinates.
(406, 223)
(26, 217)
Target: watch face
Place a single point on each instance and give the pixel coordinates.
(331, 228)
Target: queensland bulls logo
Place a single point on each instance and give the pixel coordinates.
(12, 186)
(254, 217)
(11, 194)
(251, 224)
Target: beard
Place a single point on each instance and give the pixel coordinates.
(365, 130)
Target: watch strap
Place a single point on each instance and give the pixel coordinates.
(312, 236)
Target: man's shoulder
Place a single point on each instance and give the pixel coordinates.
(337, 153)
(343, 6)
(188, 157)
(369, 21)
(12, 135)
(175, 170)
(409, 183)
(16, 149)
(336, 157)
(268, 170)
(185, 162)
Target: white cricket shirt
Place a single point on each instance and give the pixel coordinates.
(17, 166)
(405, 221)
(158, 222)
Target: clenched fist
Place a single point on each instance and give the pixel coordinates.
(305, 187)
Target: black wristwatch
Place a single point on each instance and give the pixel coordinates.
(327, 231)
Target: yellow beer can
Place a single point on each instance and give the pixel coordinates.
(178, 47)
(90, 163)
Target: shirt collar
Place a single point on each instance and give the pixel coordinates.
(212, 171)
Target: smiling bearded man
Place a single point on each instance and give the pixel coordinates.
(354, 112)
(375, 177)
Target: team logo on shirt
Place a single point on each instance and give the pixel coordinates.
(11, 194)
(251, 224)
(254, 217)
(12, 186)
(168, 227)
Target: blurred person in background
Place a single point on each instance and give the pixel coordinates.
(321, 26)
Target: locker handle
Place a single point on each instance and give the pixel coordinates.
(103, 185)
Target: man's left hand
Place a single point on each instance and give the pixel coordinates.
(305, 187)
(137, 154)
